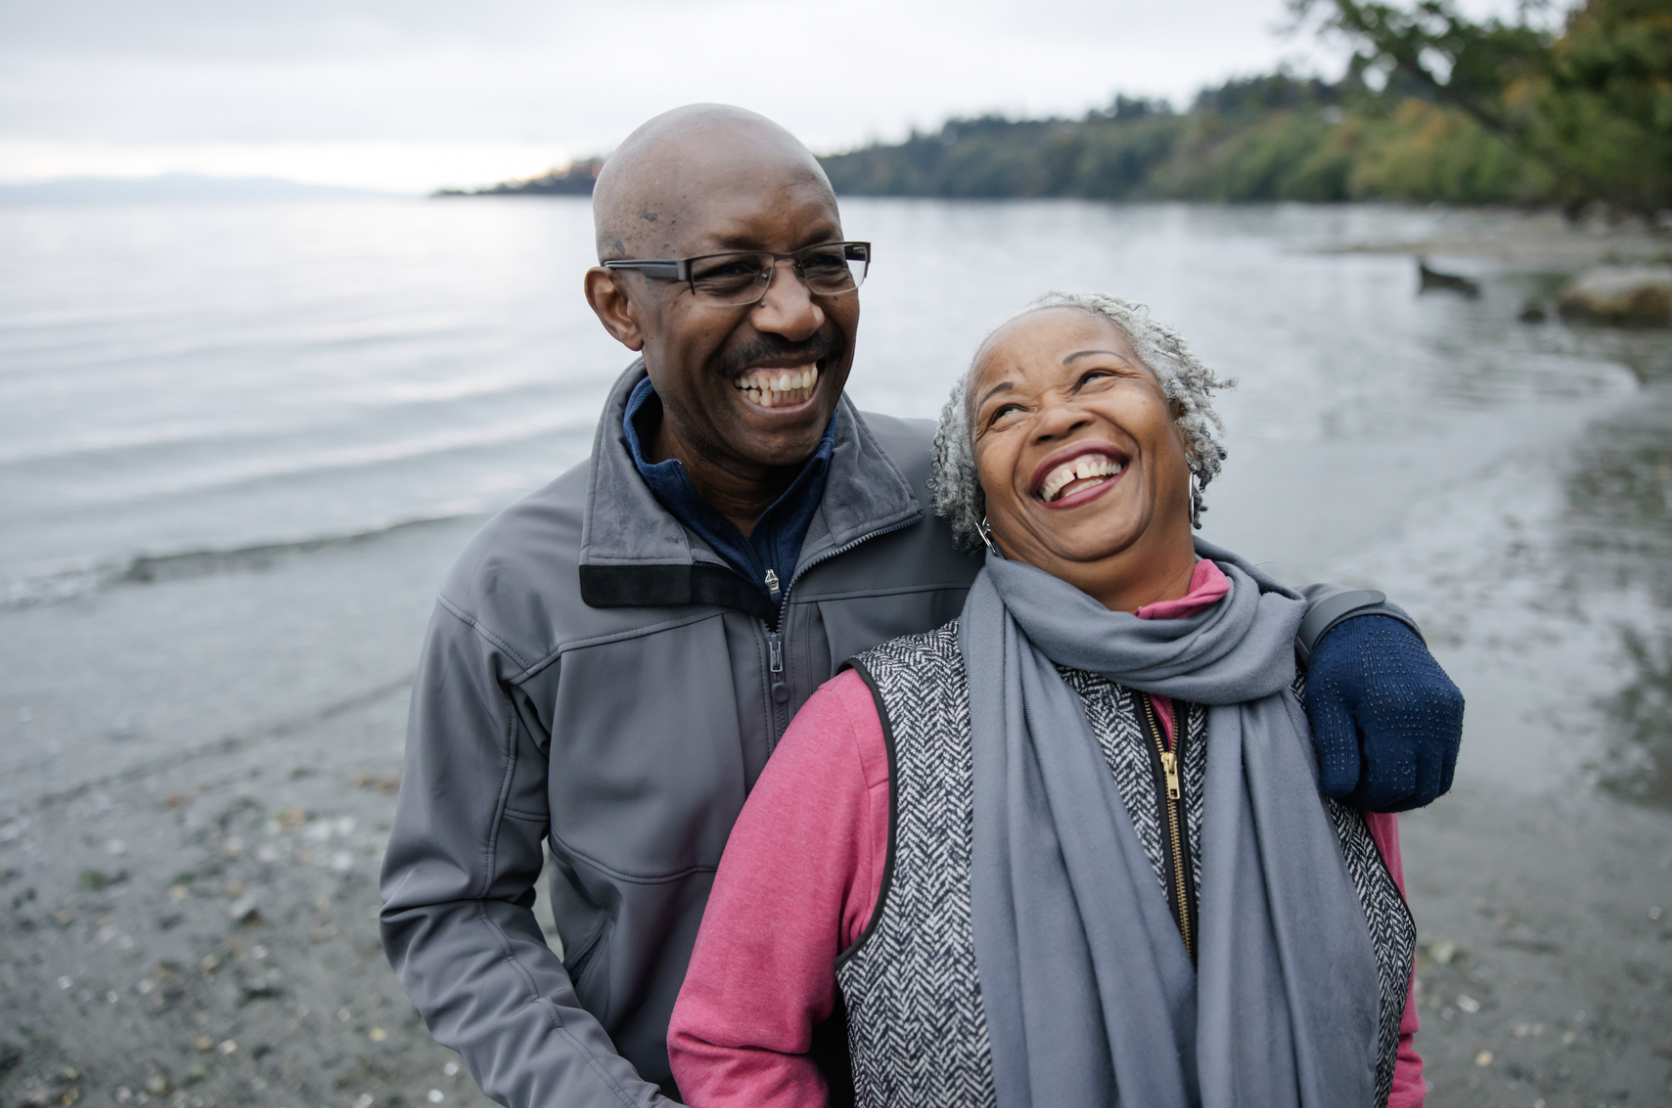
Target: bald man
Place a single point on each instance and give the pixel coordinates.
(613, 659)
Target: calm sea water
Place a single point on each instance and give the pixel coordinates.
(176, 380)
(182, 389)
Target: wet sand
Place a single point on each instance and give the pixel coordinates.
(197, 775)
(1545, 929)
(228, 954)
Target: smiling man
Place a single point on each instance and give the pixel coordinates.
(614, 659)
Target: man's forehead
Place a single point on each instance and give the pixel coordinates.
(710, 178)
(740, 212)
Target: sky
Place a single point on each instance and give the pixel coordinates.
(413, 95)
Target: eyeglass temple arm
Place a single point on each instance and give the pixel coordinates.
(656, 270)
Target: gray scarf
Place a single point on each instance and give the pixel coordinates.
(1090, 998)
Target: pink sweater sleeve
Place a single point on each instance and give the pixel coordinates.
(796, 886)
(1409, 1088)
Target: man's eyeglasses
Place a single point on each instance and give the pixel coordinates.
(743, 276)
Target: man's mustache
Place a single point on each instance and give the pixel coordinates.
(772, 350)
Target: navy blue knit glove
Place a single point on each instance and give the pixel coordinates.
(1386, 719)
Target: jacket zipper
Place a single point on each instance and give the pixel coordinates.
(778, 686)
(775, 652)
(801, 570)
(1172, 806)
(775, 664)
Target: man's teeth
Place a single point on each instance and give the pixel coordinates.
(771, 388)
(1083, 468)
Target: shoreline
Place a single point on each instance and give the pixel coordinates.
(1537, 238)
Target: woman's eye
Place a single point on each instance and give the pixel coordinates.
(1094, 375)
(1001, 411)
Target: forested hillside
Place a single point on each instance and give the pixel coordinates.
(1433, 108)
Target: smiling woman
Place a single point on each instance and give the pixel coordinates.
(1085, 468)
(1089, 862)
(1185, 382)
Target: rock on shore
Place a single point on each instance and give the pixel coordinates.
(1638, 296)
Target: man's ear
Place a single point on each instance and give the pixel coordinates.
(607, 293)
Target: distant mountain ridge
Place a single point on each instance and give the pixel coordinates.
(175, 188)
(575, 179)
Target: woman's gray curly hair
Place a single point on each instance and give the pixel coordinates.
(1184, 379)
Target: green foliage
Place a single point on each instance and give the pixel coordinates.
(1288, 155)
(1605, 100)
(1431, 154)
(1434, 108)
(1461, 63)
(1248, 153)
(1591, 107)
(1118, 162)
(1250, 97)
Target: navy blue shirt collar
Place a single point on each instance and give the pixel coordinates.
(768, 556)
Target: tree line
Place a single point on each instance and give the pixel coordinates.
(1433, 107)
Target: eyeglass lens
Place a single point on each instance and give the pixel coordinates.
(743, 277)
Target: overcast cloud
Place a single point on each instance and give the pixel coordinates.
(419, 93)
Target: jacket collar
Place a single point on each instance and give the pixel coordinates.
(634, 553)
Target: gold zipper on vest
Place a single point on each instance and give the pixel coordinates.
(1172, 806)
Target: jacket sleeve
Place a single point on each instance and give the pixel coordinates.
(458, 888)
(1322, 593)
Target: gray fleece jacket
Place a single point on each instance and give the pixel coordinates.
(595, 677)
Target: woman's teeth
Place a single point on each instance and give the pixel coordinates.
(774, 388)
(1084, 468)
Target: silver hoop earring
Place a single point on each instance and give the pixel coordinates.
(1195, 502)
(985, 530)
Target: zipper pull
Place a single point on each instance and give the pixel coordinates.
(775, 663)
(1170, 768)
(772, 583)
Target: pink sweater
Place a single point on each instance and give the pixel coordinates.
(798, 882)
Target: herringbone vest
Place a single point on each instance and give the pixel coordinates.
(916, 1028)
